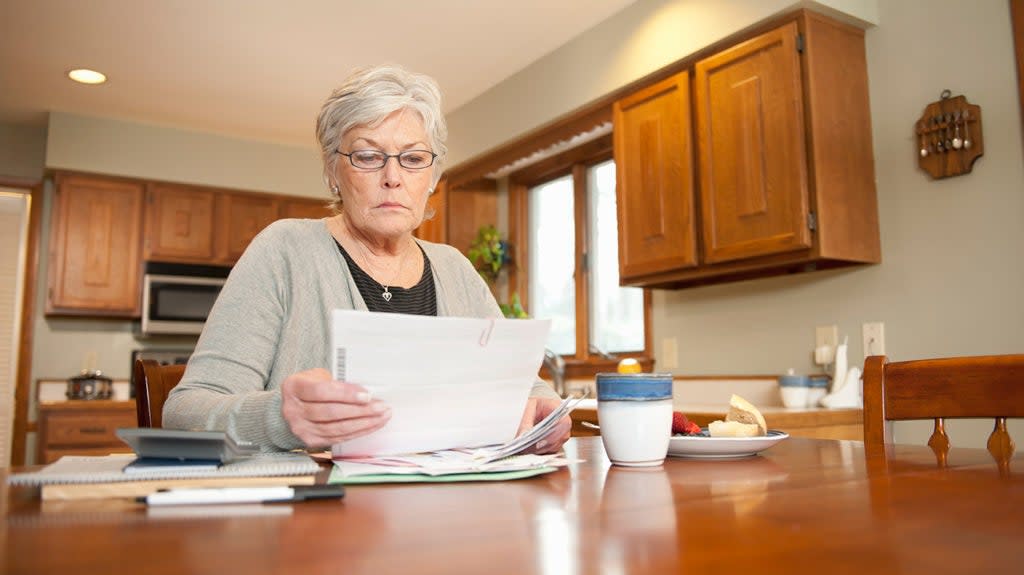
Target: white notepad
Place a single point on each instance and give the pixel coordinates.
(110, 469)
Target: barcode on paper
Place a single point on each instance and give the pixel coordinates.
(339, 364)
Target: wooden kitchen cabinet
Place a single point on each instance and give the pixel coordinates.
(654, 173)
(242, 216)
(753, 179)
(82, 427)
(208, 226)
(435, 229)
(95, 242)
(784, 162)
(304, 208)
(180, 224)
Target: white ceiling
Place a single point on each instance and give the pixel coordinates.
(259, 69)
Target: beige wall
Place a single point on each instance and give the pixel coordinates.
(22, 151)
(951, 276)
(637, 41)
(122, 148)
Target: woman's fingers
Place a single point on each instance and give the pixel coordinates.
(536, 410)
(321, 411)
(327, 412)
(316, 385)
(558, 435)
(324, 435)
(529, 418)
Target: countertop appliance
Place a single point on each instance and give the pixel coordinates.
(176, 298)
(90, 384)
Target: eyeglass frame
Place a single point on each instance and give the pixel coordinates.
(397, 157)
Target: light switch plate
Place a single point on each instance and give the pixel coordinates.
(873, 334)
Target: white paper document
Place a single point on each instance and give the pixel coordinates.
(448, 462)
(450, 382)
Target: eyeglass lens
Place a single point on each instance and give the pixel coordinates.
(375, 159)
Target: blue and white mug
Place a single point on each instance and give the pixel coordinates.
(635, 413)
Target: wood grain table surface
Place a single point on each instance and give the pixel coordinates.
(803, 506)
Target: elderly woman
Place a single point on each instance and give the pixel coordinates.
(259, 369)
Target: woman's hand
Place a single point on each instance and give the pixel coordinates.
(321, 411)
(537, 408)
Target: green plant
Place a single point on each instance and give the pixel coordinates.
(513, 309)
(488, 252)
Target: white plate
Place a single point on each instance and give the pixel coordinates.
(704, 447)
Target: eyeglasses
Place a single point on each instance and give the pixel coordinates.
(375, 159)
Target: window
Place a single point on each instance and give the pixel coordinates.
(567, 234)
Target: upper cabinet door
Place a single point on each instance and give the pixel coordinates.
(753, 160)
(242, 217)
(94, 247)
(304, 208)
(179, 223)
(654, 173)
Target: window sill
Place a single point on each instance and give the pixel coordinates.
(591, 366)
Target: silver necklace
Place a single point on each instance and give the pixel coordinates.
(386, 294)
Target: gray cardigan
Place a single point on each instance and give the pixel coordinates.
(272, 319)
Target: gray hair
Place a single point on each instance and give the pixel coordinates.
(366, 98)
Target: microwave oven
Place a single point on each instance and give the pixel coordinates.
(177, 298)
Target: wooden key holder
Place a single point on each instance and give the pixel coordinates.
(949, 137)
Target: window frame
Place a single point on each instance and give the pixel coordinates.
(576, 162)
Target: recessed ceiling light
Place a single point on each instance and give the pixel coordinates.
(86, 76)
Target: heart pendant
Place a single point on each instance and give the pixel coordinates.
(386, 295)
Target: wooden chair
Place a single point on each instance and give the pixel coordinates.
(153, 382)
(958, 387)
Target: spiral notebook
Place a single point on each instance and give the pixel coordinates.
(90, 477)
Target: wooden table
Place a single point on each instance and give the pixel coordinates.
(804, 506)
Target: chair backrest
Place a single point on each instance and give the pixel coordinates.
(957, 387)
(153, 382)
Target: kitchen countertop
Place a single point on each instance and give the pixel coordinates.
(845, 423)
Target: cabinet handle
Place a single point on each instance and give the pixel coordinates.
(93, 429)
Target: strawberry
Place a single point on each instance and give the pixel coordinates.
(692, 428)
(679, 422)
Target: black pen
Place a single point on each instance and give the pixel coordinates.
(217, 495)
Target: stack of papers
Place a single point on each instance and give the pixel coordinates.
(457, 388)
(499, 462)
(451, 465)
(451, 382)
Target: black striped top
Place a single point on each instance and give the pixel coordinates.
(420, 299)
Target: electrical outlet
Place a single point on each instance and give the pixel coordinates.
(669, 354)
(873, 334)
(826, 338)
(826, 335)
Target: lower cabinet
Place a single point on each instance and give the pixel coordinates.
(82, 427)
